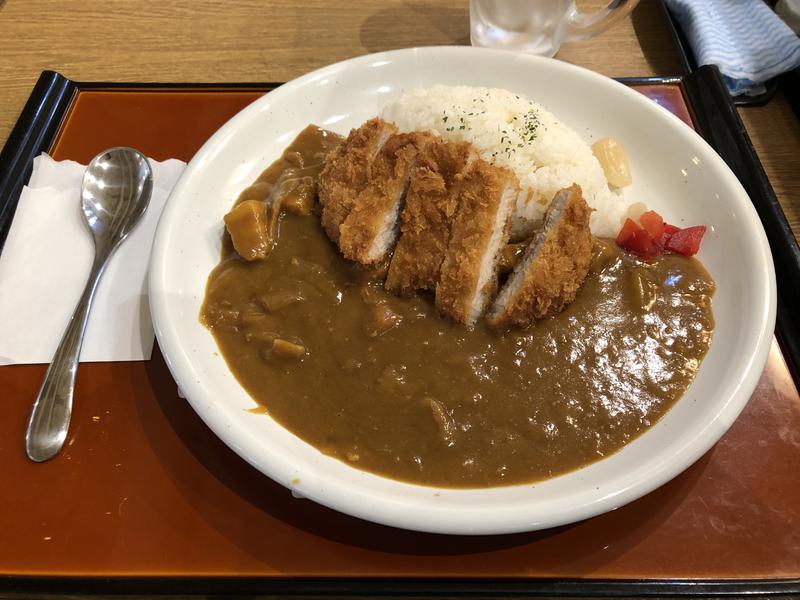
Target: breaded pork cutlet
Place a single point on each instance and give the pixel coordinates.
(431, 202)
(347, 171)
(369, 232)
(480, 230)
(552, 268)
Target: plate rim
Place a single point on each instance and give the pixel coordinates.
(172, 355)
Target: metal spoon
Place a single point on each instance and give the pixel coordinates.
(115, 193)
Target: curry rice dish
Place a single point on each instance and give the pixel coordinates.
(350, 302)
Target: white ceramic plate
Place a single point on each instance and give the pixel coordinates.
(675, 172)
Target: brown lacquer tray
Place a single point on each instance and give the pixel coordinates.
(145, 498)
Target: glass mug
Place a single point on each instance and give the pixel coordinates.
(538, 26)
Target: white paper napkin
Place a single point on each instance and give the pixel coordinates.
(46, 260)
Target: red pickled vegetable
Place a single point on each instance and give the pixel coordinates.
(626, 233)
(638, 241)
(668, 231)
(643, 245)
(653, 223)
(686, 241)
(652, 236)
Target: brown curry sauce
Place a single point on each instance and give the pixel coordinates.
(388, 386)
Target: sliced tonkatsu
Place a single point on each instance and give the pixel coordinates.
(347, 171)
(369, 231)
(552, 268)
(444, 216)
(479, 232)
(431, 203)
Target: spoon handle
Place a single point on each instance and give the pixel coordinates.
(49, 422)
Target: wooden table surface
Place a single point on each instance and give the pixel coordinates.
(277, 40)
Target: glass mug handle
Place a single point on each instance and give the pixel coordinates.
(582, 26)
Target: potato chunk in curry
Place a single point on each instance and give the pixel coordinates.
(247, 226)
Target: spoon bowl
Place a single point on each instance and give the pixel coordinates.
(115, 194)
(111, 180)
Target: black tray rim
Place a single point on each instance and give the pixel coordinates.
(406, 587)
(39, 126)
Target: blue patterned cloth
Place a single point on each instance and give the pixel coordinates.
(744, 38)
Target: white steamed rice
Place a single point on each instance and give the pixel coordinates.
(511, 131)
